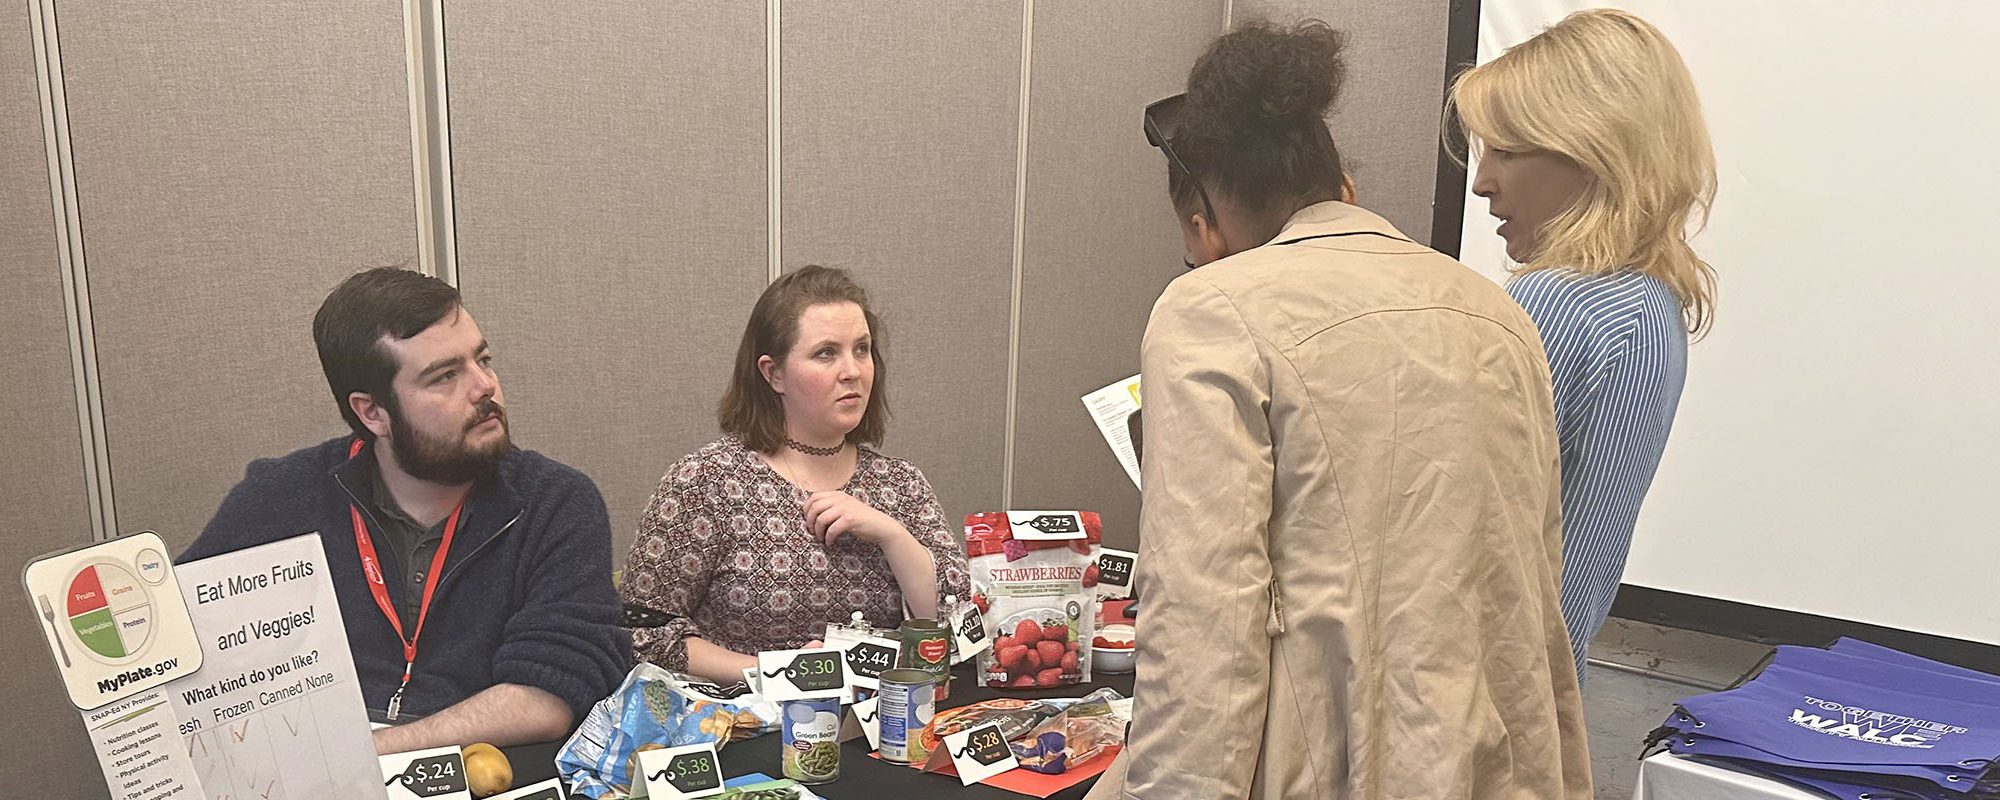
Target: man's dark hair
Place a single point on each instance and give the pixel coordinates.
(1254, 127)
(348, 330)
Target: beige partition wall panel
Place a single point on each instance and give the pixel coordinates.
(1386, 121)
(899, 152)
(608, 165)
(1101, 242)
(234, 161)
(42, 482)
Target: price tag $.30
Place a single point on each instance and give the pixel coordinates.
(433, 773)
(979, 753)
(802, 674)
(681, 772)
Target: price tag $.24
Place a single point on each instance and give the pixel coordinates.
(678, 772)
(802, 674)
(979, 753)
(437, 772)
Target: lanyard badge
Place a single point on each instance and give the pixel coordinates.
(371, 567)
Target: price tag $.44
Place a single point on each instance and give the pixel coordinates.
(868, 658)
(802, 674)
(681, 772)
(979, 753)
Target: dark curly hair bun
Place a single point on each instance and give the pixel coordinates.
(1266, 73)
(1254, 127)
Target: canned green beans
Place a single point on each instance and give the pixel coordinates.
(811, 736)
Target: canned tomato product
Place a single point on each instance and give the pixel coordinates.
(907, 702)
(927, 646)
(811, 736)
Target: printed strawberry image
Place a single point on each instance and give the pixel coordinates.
(983, 604)
(1023, 682)
(1028, 632)
(1069, 663)
(1089, 576)
(1014, 659)
(1051, 653)
(1048, 677)
(1033, 661)
(1055, 632)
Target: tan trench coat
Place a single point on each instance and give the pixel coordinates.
(1351, 539)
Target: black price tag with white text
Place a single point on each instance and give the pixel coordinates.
(802, 674)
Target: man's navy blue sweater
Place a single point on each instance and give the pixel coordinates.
(526, 594)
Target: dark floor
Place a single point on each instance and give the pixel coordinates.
(1638, 671)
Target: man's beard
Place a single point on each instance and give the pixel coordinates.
(447, 459)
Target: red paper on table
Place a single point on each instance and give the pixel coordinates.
(1036, 784)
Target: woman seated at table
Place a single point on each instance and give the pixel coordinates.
(791, 520)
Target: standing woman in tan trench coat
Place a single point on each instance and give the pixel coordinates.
(1351, 539)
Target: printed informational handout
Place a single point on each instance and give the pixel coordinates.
(140, 751)
(113, 617)
(116, 626)
(275, 711)
(1111, 408)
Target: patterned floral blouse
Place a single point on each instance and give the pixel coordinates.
(723, 547)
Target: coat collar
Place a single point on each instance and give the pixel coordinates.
(1336, 219)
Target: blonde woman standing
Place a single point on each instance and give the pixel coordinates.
(1594, 156)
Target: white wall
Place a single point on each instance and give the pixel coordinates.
(1836, 447)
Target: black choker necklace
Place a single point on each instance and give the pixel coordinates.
(814, 451)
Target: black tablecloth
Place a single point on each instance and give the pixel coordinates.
(860, 775)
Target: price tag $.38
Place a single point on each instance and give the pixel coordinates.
(681, 772)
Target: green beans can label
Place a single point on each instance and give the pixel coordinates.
(811, 732)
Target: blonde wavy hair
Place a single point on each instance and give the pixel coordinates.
(1605, 89)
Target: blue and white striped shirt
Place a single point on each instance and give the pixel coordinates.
(1617, 348)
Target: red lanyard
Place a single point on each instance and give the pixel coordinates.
(371, 566)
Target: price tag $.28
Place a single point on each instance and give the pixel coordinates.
(678, 772)
(978, 753)
(802, 674)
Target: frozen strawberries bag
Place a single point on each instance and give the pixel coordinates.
(1033, 578)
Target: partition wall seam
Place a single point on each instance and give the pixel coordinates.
(1020, 239)
(67, 222)
(773, 198)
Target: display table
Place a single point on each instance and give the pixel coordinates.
(1666, 776)
(860, 775)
